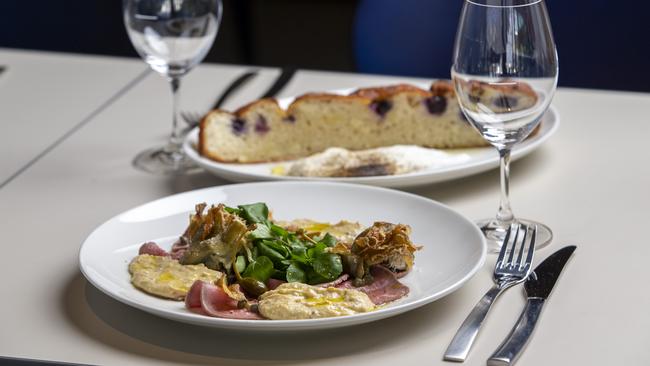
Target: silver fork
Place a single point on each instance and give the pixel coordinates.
(512, 267)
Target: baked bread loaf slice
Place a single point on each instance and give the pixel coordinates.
(368, 118)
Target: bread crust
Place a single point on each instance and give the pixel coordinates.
(442, 88)
(201, 143)
(387, 92)
(256, 103)
(326, 97)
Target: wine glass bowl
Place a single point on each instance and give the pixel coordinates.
(172, 36)
(505, 73)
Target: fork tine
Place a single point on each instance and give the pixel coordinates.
(191, 119)
(514, 245)
(520, 252)
(504, 246)
(531, 247)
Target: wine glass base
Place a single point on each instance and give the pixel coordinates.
(160, 161)
(495, 233)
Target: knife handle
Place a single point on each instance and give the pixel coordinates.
(234, 85)
(286, 74)
(466, 334)
(509, 351)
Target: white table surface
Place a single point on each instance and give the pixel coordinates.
(44, 96)
(589, 182)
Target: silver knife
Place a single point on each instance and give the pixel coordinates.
(240, 81)
(286, 74)
(538, 287)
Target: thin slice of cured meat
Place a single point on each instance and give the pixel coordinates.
(208, 299)
(179, 248)
(384, 287)
(342, 278)
(152, 249)
(272, 283)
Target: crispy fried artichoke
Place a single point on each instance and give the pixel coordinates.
(387, 244)
(381, 244)
(214, 238)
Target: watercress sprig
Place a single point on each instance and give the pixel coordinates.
(285, 255)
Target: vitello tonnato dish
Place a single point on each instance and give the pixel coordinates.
(238, 263)
(453, 249)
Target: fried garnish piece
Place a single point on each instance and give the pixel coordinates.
(215, 238)
(387, 244)
(233, 291)
(194, 230)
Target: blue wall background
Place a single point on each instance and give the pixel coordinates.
(601, 43)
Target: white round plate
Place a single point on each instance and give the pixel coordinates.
(478, 160)
(453, 247)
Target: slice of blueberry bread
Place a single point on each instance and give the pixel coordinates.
(504, 97)
(368, 118)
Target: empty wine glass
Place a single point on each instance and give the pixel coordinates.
(505, 72)
(172, 36)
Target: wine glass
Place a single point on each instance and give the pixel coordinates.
(172, 36)
(505, 72)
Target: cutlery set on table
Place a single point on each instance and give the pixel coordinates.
(513, 266)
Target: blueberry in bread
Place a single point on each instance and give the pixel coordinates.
(368, 118)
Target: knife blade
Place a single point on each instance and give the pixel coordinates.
(233, 86)
(538, 286)
(285, 76)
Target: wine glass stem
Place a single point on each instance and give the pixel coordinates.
(176, 138)
(504, 215)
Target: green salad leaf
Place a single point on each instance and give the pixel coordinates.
(327, 265)
(260, 269)
(285, 255)
(262, 231)
(255, 213)
(328, 240)
(295, 273)
(240, 263)
(265, 247)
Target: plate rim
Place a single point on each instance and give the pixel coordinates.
(284, 325)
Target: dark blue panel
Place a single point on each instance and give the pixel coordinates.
(86, 26)
(405, 37)
(601, 43)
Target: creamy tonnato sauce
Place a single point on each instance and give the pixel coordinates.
(300, 301)
(344, 231)
(165, 277)
(392, 160)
